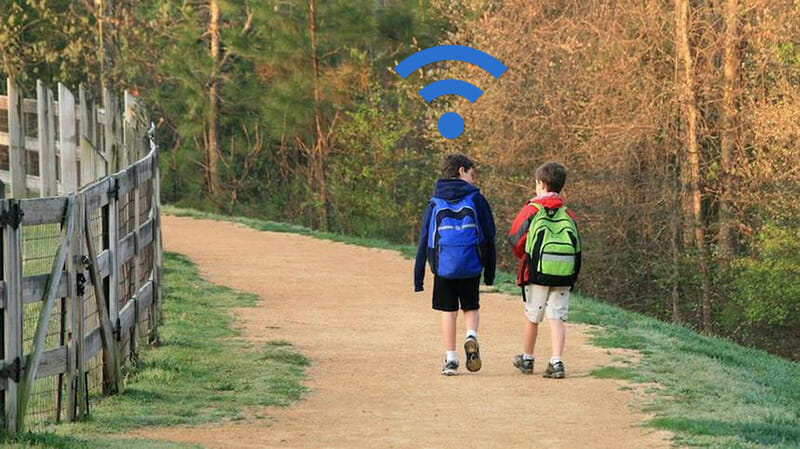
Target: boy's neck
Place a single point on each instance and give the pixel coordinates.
(546, 195)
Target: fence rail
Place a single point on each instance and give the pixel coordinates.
(80, 273)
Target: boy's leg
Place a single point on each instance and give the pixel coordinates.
(535, 298)
(531, 332)
(449, 330)
(445, 299)
(470, 303)
(558, 334)
(557, 307)
(535, 302)
(472, 319)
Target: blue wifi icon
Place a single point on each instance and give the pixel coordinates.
(451, 125)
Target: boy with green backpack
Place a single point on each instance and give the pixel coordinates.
(544, 236)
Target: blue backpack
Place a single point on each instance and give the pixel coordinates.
(454, 238)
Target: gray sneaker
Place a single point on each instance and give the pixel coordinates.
(450, 368)
(473, 354)
(526, 366)
(555, 371)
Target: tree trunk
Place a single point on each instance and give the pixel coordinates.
(690, 107)
(676, 242)
(320, 150)
(726, 220)
(212, 140)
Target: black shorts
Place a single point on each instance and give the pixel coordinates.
(448, 292)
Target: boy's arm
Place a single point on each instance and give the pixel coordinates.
(489, 235)
(422, 249)
(519, 229)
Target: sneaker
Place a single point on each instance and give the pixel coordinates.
(450, 368)
(554, 371)
(473, 354)
(526, 366)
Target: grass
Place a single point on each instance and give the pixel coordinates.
(202, 372)
(708, 391)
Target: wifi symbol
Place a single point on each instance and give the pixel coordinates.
(450, 125)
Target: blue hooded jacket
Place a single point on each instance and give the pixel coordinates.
(451, 190)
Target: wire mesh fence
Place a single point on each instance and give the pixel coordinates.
(39, 246)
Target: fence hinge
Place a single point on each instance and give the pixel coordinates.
(12, 370)
(13, 216)
(81, 281)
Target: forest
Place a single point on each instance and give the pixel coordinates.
(678, 122)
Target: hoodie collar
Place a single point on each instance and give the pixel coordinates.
(453, 189)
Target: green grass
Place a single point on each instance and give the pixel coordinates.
(708, 391)
(202, 372)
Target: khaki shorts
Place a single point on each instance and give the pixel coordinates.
(541, 300)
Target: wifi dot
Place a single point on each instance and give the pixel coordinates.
(451, 125)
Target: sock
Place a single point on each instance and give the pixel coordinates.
(452, 356)
(528, 356)
(554, 360)
(472, 333)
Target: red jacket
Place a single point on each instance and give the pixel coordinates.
(518, 233)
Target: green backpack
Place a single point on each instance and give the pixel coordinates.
(553, 248)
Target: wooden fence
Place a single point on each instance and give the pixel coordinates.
(81, 271)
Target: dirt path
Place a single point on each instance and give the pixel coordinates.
(376, 354)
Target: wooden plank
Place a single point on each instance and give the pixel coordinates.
(126, 179)
(144, 297)
(85, 139)
(92, 343)
(103, 264)
(47, 140)
(32, 360)
(67, 140)
(29, 105)
(34, 288)
(111, 223)
(53, 361)
(157, 247)
(146, 233)
(127, 316)
(144, 169)
(96, 194)
(12, 316)
(111, 368)
(16, 137)
(31, 143)
(43, 210)
(76, 253)
(126, 248)
(129, 138)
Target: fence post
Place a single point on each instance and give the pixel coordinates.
(12, 316)
(16, 136)
(156, 211)
(66, 139)
(135, 269)
(109, 131)
(111, 222)
(79, 274)
(85, 139)
(47, 146)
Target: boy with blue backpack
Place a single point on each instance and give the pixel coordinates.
(457, 239)
(544, 236)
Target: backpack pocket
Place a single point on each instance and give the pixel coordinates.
(557, 259)
(458, 261)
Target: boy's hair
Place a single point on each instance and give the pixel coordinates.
(452, 162)
(553, 175)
